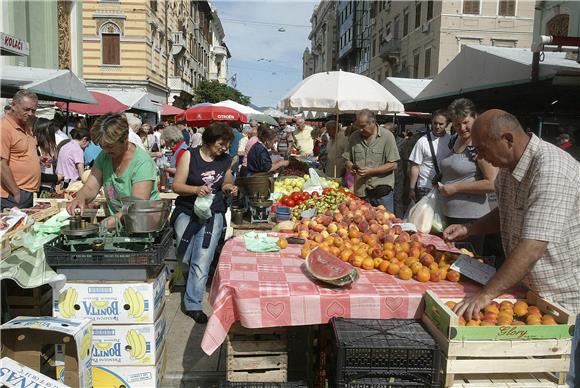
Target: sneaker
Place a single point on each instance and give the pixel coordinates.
(197, 315)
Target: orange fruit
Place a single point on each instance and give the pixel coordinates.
(415, 267)
(345, 255)
(520, 308)
(283, 243)
(377, 261)
(506, 304)
(453, 276)
(384, 266)
(533, 320)
(402, 256)
(388, 254)
(368, 263)
(423, 275)
(491, 309)
(405, 273)
(450, 304)
(357, 261)
(518, 323)
(393, 269)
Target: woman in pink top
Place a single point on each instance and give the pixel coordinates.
(70, 163)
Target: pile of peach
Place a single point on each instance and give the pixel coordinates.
(508, 314)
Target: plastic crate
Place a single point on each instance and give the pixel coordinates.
(400, 352)
(58, 256)
(291, 384)
(386, 382)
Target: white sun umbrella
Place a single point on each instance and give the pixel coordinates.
(250, 112)
(340, 92)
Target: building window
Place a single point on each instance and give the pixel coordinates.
(417, 15)
(153, 5)
(427, 72)
(405, 22)
(471, 7)
(416, 65)
(110, 44)
(507, 8)
(503, 43)
(429, 10)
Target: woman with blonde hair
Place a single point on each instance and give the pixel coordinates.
(122, 169)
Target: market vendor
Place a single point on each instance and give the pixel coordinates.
(538, 188)
(122, 169)
(202, 171)
(259, 158)
(371, 155)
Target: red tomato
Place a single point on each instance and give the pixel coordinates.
(305, 196)
(296, 196)
(326, 190)
(290, 203)
(315, 194)
(284, 200)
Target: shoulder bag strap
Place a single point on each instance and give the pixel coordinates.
(435, 164)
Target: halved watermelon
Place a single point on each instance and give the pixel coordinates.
(330, 269)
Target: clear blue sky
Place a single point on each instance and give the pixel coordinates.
(252, 34)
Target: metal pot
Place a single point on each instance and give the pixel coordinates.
(145, 216)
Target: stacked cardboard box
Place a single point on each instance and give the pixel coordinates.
(129, 328)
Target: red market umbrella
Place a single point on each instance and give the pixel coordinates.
(203, 115)
(105, 104)
(170, 110)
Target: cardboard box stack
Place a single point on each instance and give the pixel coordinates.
(129, 328)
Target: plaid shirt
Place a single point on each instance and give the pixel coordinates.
(540, 200)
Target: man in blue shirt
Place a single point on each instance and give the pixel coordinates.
(234, 144)
(91, 152)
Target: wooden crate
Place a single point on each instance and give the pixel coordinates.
(501, 359)
(257, 355)
(516, 380)
(32, 302)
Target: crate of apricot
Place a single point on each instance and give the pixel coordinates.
(508, 319)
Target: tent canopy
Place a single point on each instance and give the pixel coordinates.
(104, 104)
(501, 77)
(249, 112)
(134, 99)
(170, 110)
(48, 84)
(405, 89)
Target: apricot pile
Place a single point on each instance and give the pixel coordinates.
(507, 313)
(365, 237)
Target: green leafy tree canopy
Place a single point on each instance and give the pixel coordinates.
(213, 91)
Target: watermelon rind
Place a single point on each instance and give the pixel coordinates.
(345, 273)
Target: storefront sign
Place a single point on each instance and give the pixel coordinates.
(11, 45)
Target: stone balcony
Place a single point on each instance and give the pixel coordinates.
(177, 84)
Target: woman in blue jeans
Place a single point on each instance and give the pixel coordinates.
(202, 171)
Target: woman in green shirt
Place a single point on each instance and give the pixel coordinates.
(122, 169)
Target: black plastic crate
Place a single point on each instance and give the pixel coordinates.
(397, 349)
(290, 384)
(58, 256)
(385, 382)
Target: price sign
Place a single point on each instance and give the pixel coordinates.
(473, 269)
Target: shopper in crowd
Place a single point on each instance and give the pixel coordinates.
(538, 216)
(252, 139)
(60, 135)
(71, 161)
(259, 159)
(172, 137)
(157, 133)
(235, 144)
(122, 169)
(564, 141)
(7, 109)
(334, 161)
(44, 130)
(183, 128)
(427, 155)
(196, 137)
(465, 180)
(302, 138)
(243, 143)
(135, 124)
(284, 136)
(372, 156)
(317, 139)
(400, 202)
(91, 152)
(202, 171)
(19, 161)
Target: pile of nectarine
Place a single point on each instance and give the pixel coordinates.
(507, 313)
(367, 238)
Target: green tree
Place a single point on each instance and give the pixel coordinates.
(213, 91)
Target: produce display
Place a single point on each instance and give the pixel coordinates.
(329, 200)
(367, 238)
(328, 268)
(507, 313)
(290, 185)
(295, 168)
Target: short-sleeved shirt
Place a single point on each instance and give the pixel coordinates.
(304, 140)
(259, 159)
(141, 168)
(201, 173)
(18, 148)
(540, 200)
(253, 140)
(91, 152)
(69, 155)
(421, 155)
(135, 139)
(235, 143)
(462, 167)
(382, 150)
(334, 155)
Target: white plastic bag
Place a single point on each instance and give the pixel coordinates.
(202, 206)
(427, 214)
(314, 182)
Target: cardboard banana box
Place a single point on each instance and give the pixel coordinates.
(111, 302)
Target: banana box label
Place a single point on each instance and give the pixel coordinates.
(112, 302)
(126, 344)
(16, 375)
(176, 272)
(80, 330)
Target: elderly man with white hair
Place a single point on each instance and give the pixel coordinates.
(134, 127)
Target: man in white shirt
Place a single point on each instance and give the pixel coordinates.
(134, 127)
(422, 166)
(303, 137)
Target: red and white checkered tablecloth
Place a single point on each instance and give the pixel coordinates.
(272, 289)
